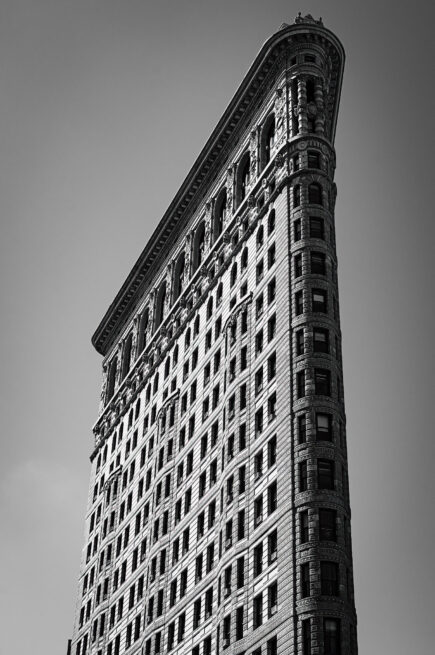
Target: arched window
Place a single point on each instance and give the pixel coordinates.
(111, 378)
(179, 276)
(267, 140)
(219, 214)
(199, 246)
(260, 237)
(210, 308)
(126, 355)
(175, 356)
(233, 274)
(142, 336)
(160, 305)
(196, 327)
(219, 294)
(243, 177)
(244, 259)
(315, 194)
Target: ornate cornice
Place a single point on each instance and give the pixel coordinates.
(192, 190)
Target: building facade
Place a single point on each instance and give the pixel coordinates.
(218, 517)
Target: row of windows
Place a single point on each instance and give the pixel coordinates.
(331, 637)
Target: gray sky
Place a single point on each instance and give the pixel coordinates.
(104, 105)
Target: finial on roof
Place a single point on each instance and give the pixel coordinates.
(307, 19)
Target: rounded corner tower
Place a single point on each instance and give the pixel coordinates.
(218, 516)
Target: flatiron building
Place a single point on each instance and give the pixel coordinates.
(218, 516)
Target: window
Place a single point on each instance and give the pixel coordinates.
(272, 497)
(300, 384)
(229, 534)
(313, 158)
(239, 623)
(327, 524)
(325, 474)
(300, 342)
(302, 428)
(210, 557)
(298, 265)
(272, 599)
(304, 532)
(272, 646)
(233, 277)
(331, 637)
(216, 361)
(306, 637)
(271, 222)
(297, 233)
(196, 614)
(272, 547)
(258, 510)
(305, 580)
(320, 340)
(260, 233)
(240, 572)
(259, 271)
(271, 291)
(211, 514)
(303, 476)
(271, 407)
(323, 427)
(317, 230)
(198, 568)
(259, 381)
(242, 437)
(258, 559)
(181, 626)
(318, 263)
(243, 178)
(329, 582)
(271, 256)
(227, 580)
(268, 140)
(208, 609)
(271, 452)
(259, 307)
(259, 422)
(299, 303)
(259, 342)
(315, 194)
(296, 195)
(226, 635)
(209, 308)
(258, 611)
(322, 382)
(271, 328)
(319, 300)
